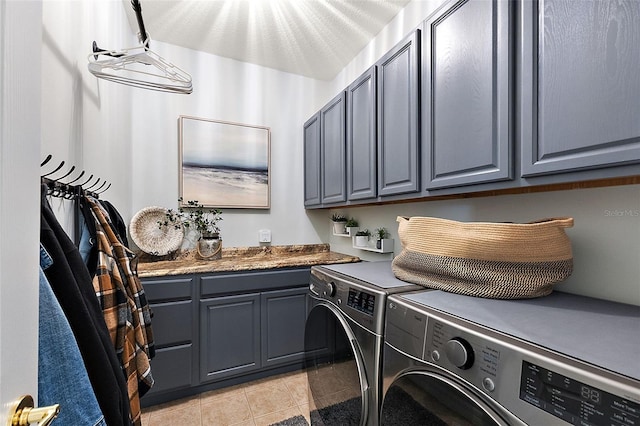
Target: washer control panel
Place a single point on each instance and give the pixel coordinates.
(528, 380)
(474, 358)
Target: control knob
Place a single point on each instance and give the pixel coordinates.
(460, 353)
(330, 289)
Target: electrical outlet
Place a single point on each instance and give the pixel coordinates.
(264, 236)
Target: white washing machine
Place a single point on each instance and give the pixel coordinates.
(555, 360)
(344, 340)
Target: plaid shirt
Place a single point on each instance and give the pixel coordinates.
(125, 309)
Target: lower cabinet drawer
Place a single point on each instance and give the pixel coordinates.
(171, 368)
(172, 323)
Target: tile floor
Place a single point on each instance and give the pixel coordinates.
(257, 403)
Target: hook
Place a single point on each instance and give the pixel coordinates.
(68, 173)
(96, 182)
(69, 193)
(83, 184)
(55, 190)
(58, 168)
(46, 160)
(98, 189)
(104, 190)
(99, 51)
(76, 179)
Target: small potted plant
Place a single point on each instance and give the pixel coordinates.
(339, 222)
(352, 227)
(203, 221)
(381, 233)
(362, 237)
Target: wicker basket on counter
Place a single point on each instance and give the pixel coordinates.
(484, 259)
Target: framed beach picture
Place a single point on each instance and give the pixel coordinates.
(224, 164)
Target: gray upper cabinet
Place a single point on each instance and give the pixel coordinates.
(333, 188)
(361, 137)
(580, 104)
(466, 98)
(398, 118)
(312, 161)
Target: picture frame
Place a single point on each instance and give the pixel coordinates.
(224, 164)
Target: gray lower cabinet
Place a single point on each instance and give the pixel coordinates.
(283, 316)
(312, 161)
(214, 330)
(580, 104)
(398, 118)
(466, 94)
(174, 328)
(229, 336)
(333, 151)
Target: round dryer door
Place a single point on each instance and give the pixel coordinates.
(422, 398)
(335, 371)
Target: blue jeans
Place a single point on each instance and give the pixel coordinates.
(62, 377)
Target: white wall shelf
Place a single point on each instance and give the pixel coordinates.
(351, 232)
(386, 246)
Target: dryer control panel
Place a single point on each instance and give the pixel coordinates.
(574, 401)
(359, 301)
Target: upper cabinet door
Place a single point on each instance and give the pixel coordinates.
(333, 151)
(361, 137)
(580, 105)
(398, 118)
(312, 161)
(466, 87)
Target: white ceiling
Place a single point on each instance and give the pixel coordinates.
(314, 38)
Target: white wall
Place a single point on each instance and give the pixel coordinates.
(405, 22)
(20, 69)
(129, 136)
(85, 123)
(228, 90)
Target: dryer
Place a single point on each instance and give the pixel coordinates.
(344, 340)
(556, 360)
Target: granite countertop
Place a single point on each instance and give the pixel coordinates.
(244, 259)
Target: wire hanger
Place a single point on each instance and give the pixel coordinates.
(139, 66)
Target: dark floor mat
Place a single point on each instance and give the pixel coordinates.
(293, 421)
(347, 413)
(412, 412)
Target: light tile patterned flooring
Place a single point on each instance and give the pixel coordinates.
(257, 403)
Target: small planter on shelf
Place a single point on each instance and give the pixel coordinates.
(339, 224)
(352, 227)
(361, 238)
(385, 245)
(382, 234)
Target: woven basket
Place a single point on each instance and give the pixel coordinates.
(493, 260)
(150, 237)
